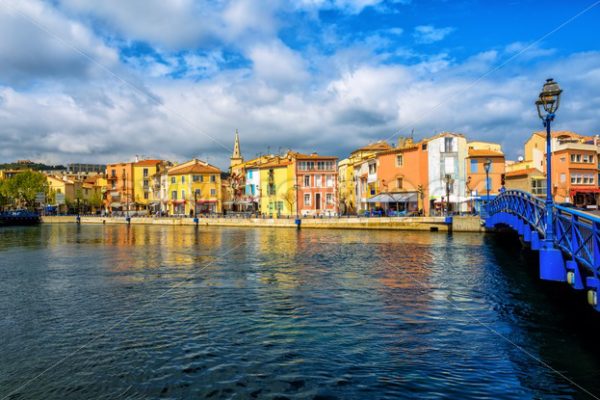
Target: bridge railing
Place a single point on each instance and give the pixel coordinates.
(576, 234)
(522, 204)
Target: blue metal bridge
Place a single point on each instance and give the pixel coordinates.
(569, 253)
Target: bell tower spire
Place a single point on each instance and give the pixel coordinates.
(236, 157)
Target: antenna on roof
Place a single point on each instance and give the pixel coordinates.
(412, 133)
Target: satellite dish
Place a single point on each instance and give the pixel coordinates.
(520, 158)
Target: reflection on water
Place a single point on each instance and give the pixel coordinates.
(274, 313)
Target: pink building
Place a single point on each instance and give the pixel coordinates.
(316, 180)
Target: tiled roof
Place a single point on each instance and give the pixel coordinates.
(276, 164)
(147, 163)
(196, 168)
(524, 172)
(381, 145)
(485, 153)
(313, 156)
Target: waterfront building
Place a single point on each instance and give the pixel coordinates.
(277, 193)
(144, 185)
(119, 196)
(403, 177)
(446, 172)
(61, 192)
(194, 188)
(346, 198)
(575, 168)
(362, 163)
(478, 180)
(316, 185)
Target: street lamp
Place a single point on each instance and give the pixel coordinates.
(487, 165)
(449, 182)
(548, 101)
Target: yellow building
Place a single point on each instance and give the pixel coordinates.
(61, 193)
(143, 184)
(278, 195)
(346, 190)
(194, 188)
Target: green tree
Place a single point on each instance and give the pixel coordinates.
(3, 194)
(23, 187)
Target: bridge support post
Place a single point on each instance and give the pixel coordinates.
(527, 233)
(574, 277)
(592, 294)
(535, 240)
(552, 264)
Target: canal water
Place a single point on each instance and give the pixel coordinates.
(173, 312)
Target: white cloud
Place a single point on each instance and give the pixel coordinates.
(430, 34)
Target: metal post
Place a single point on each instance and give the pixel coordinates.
(487, 188)
(549, 201)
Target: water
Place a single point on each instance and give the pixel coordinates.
(170, 312)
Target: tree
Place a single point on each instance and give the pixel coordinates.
(3, 194)
(290, 199)
(24, 186)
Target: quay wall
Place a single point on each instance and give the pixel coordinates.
(460, 224)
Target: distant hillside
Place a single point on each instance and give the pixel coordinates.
(33, 166)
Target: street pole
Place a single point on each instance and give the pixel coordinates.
(549, 201)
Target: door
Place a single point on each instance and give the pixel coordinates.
(318, 201)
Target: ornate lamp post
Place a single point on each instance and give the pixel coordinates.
(548, 102)
(487, 165)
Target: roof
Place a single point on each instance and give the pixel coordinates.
(485, 153)
(276, 164)
(150, 163)
(198, 167)
(313, 156)
(523, 172)
(380, 145)
(556, 134)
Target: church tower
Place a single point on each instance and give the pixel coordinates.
(236, 158)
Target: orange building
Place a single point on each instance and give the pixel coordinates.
(119, 194)
(575, 170)
(476, 175)
(403, 175)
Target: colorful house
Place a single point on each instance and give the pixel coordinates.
(144, 192)
(120, 195)
(278, 196)
(316, 184)
(194, 188)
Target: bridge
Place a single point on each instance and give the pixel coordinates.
(568, 240)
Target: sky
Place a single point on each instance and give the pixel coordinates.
(104, 81)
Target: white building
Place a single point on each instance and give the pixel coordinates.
(446, 164)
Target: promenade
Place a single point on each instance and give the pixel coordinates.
(432, 224)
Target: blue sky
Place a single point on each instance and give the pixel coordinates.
(103, 81)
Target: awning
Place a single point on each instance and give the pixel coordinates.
(116, 204)
(408, 197)
(205, 201)
(454, 199)
(574, 191)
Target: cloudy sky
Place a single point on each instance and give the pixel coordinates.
(102, 81)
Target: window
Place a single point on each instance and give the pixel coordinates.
(318, 181)
(197, 178)
(399, 182)
(310, 165)
(145, 172)
(213, 178)
(306, 180)
(424, 146)
(320, 165)
(198, 193)
(114, 185)
(307, 199)
(302, 165)
(329, 181)
(146, 196)
(250, 174)
(448, 142)
(213, 192)
(329, 198)
(182, 178)
(174, 195)
(113, 173)
(563, 178)
(372, 168)
(145, 183)
(399, 160)
(173, 179)
(271, 189)
(183, 195)
(474, 165)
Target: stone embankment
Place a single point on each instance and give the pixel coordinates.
(435, 224)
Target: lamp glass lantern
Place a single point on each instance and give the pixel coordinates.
(549, 98)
